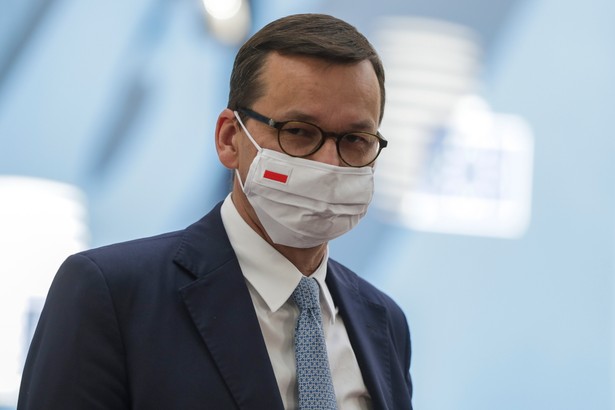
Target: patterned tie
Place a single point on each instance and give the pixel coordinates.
(313, 373)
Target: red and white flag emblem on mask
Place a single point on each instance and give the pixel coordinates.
(275, 176)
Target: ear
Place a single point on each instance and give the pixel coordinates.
(226, 141)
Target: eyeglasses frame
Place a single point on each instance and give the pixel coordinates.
(382, 142)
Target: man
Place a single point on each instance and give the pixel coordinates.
(212, 317)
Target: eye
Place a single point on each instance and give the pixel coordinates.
(297, 129)
(360, 139)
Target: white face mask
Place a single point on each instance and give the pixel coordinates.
(304, 203)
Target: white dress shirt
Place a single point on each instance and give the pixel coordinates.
(271, 280)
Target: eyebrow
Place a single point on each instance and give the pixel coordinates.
(359, 126)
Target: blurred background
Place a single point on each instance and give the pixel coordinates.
(494, 220)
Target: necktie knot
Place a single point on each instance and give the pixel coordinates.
(306, 294)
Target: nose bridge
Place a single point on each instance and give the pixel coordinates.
(334, 139)
(328, 152)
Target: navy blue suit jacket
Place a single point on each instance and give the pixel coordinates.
(168, 323)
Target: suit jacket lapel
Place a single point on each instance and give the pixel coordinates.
(220, 306)
(367, 328)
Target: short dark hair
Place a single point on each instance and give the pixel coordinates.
(314, 35)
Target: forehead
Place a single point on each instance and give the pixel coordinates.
(319, 88)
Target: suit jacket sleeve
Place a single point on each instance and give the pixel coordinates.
(76, 358)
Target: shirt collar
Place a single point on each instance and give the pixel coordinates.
(272, 275)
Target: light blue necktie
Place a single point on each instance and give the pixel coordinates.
(313, 373)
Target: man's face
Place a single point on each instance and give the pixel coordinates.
(339, 98)
(336, 97)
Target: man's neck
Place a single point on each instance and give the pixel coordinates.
(305, 260)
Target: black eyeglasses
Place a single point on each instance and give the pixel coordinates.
(302, 139)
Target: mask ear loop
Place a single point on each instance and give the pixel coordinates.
(258, 147)
(239, 180)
